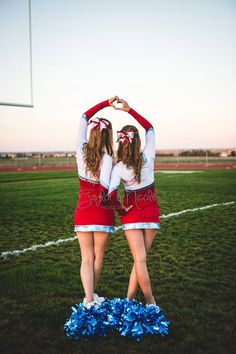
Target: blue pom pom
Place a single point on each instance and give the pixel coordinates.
(156, 321)
(129, 317)
(86, 323)
(132, 319)
(116, 310)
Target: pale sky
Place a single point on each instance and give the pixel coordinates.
(173, 61)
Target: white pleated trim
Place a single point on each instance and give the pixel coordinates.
(86, 228)
(141, 225)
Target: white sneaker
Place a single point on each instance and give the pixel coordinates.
(85, 302)
(147, 305)
(98, 299)
(90, 304)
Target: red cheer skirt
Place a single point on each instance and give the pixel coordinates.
(145, 211)
(90, 215)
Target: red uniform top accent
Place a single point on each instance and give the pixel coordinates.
(141, 120)
(96, 108)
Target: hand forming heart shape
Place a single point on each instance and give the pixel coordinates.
(113, 100)
(119, 103)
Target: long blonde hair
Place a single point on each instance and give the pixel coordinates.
(98, 143)
(129, 153)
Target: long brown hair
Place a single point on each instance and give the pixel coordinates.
(98, 143)
(130, 154)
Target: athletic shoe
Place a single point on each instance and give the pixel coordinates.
(147, 305)
(98, 299)
(85, 302)
(90, 304)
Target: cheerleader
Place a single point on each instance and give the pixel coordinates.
(136, 170)
(92, 221)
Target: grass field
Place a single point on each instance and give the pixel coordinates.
(191, 265)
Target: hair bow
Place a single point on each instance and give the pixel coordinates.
(98, 122)
(124, 136)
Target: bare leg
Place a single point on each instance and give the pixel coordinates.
(100, 243)
(149, 235)
(136, 243)
(87, 263)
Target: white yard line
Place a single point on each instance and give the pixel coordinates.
(57, 242)
(35, 247)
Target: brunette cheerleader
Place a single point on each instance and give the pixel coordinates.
(136, 170)
(93, 222)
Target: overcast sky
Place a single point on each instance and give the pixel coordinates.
(174, 61)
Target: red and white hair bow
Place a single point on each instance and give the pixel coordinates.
(98, 122)
(124, 136)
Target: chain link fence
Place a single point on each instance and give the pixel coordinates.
(64, 159)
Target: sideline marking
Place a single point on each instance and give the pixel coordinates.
(53, 243)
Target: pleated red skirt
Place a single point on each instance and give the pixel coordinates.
(90, 215)
(145, 211)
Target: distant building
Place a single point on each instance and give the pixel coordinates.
(225, 154)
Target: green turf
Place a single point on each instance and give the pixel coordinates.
(191, 266)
